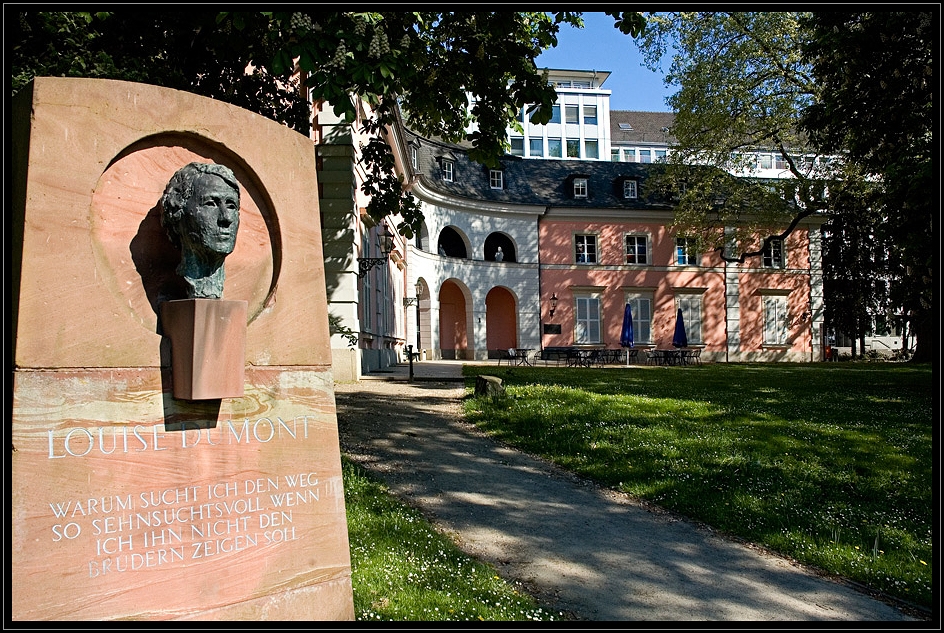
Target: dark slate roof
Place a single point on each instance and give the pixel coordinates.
(534, 181)
(646, 127)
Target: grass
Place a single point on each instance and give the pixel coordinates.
(831, 465)
(403, 569)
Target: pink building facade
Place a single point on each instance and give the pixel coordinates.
(732, 312)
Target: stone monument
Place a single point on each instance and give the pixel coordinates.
(140, 489)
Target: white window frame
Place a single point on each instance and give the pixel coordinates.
(496, 179)
(691, 305)
(589, 243)
(776, 319)
(581, 189)
(684, 249)
(774, 254)
(413, 157)
(588, 319)
(630, 189)
(641, 302)
(637, 238)
(448, 170)
(589, 115)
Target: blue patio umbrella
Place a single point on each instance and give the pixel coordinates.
(680, 339)
(626, 335)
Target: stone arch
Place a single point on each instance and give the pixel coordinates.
(422, 238)
(455, 320)
(501, 320)
(453, 243)
(497, 240)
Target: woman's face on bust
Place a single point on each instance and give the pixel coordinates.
(211, 217)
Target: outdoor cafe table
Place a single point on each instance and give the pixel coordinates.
(666, 356)
(521, 355)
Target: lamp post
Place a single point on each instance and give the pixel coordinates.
(386, 246)
(553, 303)
(412, 301)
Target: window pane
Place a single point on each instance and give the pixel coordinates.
(642, 319)
(592, 149)
(629, 189)
(587, 324)
(495, 178)
(586, 249)
(775, 320)
(773, 254)
(571, 114)
(590, 115)
(691, 314)
(517, 146)
(580, 187)
(615, 155)
(555, 114)
(685, 254)
(645, 156)
(537, 147)
(555, 148)
(573, 148)
(636, 249)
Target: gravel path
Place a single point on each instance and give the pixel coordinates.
(588, 552)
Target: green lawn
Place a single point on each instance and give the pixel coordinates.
(831, 464)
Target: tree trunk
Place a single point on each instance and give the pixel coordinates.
(862, 345)
(926, 338)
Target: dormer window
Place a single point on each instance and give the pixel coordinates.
(448, 169)
(413, 159)
(496, 179)
(580, 187)
(629, 189)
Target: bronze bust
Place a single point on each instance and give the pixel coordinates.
(200, 212)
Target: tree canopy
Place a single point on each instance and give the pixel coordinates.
(742, 86)
(875, 103)
(428, 63)
(841, 98)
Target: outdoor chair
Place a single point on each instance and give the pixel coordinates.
(506, 354)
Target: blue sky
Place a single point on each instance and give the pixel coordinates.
(600, 46)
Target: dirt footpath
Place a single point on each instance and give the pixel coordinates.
(591, 553)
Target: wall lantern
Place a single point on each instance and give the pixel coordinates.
(553, 303)
(412, 301)
(386, 245)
